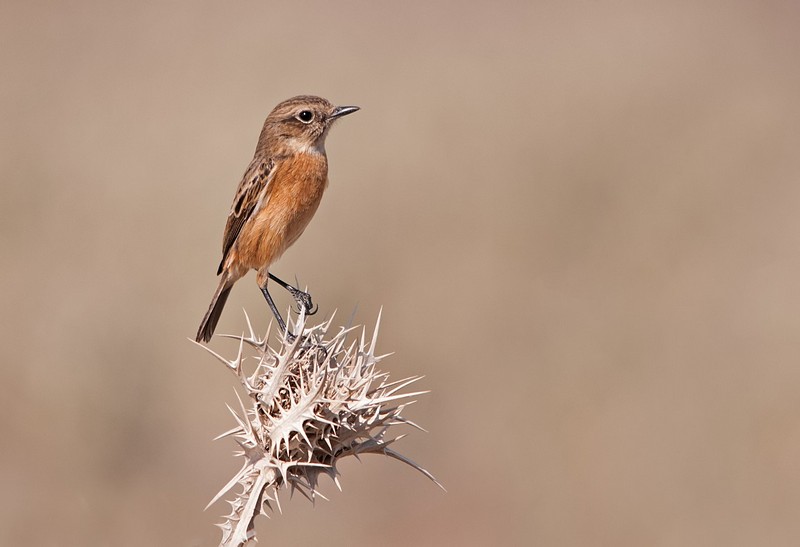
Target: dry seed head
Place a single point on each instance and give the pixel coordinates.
(310, 402)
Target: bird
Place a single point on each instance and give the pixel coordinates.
(278, 195)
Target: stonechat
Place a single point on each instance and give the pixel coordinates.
(276, 199)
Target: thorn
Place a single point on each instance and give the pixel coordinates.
(224, 361)
(249, 325)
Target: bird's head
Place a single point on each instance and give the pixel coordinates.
(300, 124)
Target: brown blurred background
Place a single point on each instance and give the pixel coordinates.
(581, 220)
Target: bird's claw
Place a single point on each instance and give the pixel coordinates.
(303, 300)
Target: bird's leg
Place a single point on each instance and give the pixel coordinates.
(301, 297)
(275, 312)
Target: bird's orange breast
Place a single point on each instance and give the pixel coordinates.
(292, 197)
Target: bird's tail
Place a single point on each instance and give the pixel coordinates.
(214, 310)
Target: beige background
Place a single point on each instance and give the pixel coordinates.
(581, 220)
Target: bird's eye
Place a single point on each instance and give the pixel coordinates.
(305, 116)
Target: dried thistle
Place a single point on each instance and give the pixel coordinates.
(312, 402)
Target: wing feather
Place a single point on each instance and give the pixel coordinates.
(252, 189)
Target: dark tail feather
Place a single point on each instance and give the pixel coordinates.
(214, 311)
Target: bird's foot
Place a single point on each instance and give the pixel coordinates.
(303, 300)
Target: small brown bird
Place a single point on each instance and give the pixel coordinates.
(279, 193)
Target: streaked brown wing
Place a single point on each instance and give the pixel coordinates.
(254, 182)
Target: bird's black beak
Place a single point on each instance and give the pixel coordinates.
(340, 111)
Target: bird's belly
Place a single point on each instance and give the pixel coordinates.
(278, 224)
